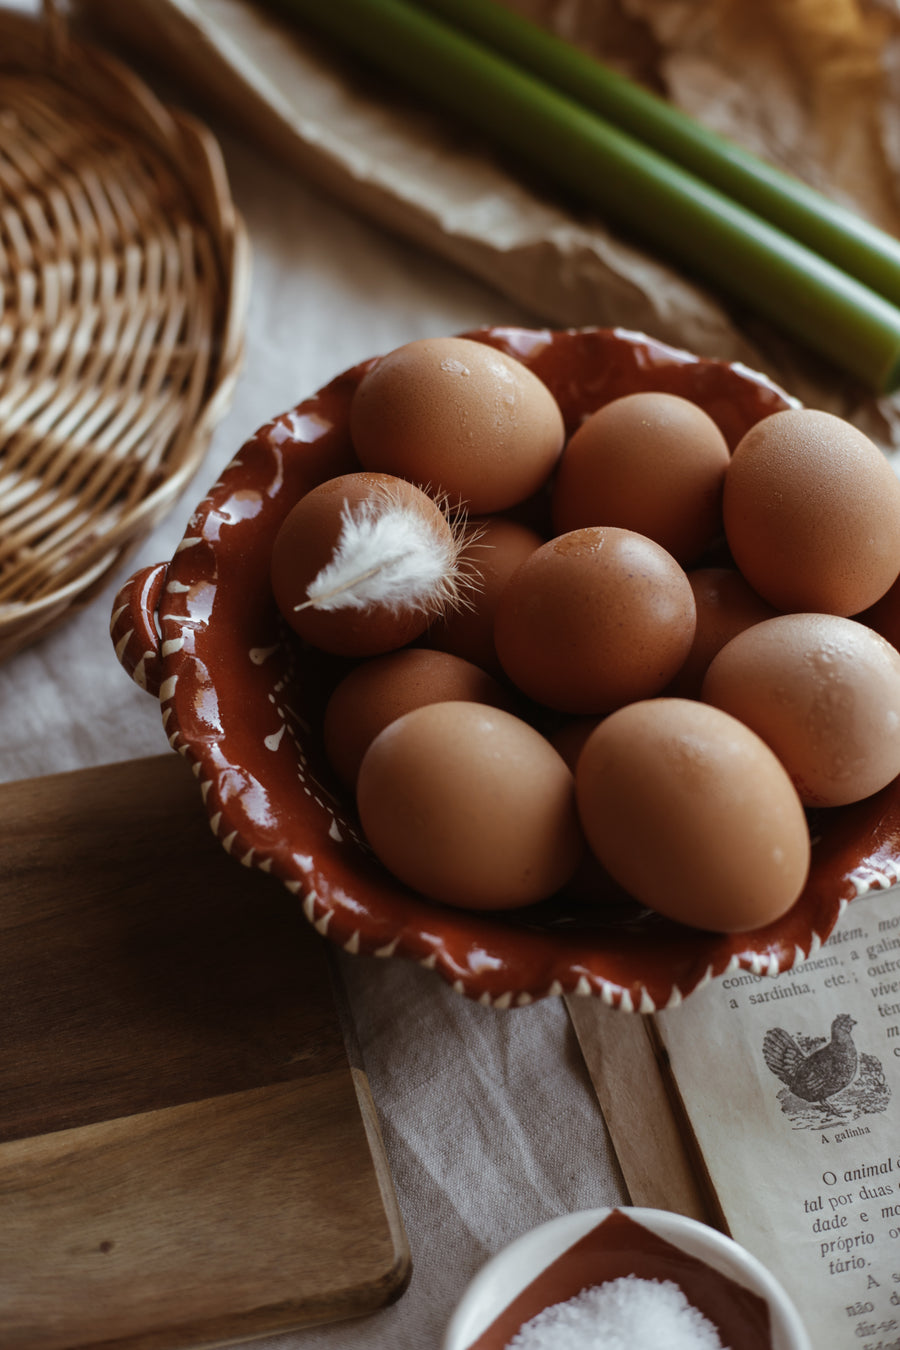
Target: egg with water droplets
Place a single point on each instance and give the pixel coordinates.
(461, 418)
(693, 814)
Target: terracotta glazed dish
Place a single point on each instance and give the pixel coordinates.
(243, 700)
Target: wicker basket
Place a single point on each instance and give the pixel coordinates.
(124, 272)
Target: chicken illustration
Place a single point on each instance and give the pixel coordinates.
(817, 1076)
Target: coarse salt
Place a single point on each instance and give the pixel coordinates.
(623, 1314)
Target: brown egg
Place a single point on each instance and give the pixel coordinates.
(594, 619)
(812, 513)
(693, 814)
(650, 462)
(824, 692)
(470, 806)
(460, 417)
(726, 605)
(380, 690)
(498, 546)
(310, 539)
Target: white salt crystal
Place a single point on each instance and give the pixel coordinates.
(624, 1314)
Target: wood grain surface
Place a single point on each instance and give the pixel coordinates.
(655, 1147)
(189, 1153)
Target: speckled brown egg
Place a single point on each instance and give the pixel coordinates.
(470, 806)
(594, 619)
(498, 545)
(726, 605)
(378, 691)
(650, 462)
(309, 541)
(824, 693)
(460, 417)
(811, 509)
(691, 812)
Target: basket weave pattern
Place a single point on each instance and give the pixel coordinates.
(123, 271)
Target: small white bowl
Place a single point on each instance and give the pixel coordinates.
(510, 1273)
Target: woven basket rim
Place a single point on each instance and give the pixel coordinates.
(136, 198)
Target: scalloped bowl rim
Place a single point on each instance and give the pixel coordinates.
(307, 844)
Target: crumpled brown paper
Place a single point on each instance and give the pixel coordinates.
(813, 85)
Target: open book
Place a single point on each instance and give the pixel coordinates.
(770, 1107)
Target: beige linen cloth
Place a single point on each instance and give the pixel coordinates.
(490, 1122)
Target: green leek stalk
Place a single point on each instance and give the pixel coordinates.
(637, 189)
(838, 234)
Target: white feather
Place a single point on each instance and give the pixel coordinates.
(388, 555)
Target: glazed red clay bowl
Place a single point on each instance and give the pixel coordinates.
(242, 700)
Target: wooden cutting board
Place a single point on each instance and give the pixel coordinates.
(189, 1154)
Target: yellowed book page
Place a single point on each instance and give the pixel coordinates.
(791, 1085)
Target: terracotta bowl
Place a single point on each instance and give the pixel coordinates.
(242, 700)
